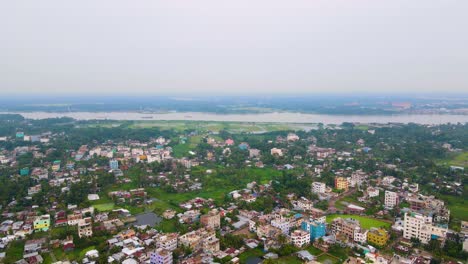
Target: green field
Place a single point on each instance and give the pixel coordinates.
(328, 259)
(459, 159)
(366, 222)
(104, 207)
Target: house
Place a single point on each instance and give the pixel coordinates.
(42, 223)
(85, 228)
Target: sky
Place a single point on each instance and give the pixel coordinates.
(233, 47)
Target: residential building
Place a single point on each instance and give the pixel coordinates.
(378, 237)
(300, 237)
(372, 192)
(318, 187)
(167, 241)
(276, 151)
(42, 223)
(161, 256)
(211, 220)
(315, 228)
(360, 235)
(114, 164)
(200, 239)
(391, 199)
(346, 227)
(420, 226)
(85, 227)
(341, 183)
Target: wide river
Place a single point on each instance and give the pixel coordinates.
(282, 117)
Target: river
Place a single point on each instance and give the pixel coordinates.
(276, 117)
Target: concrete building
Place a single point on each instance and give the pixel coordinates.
(378, 237)
(341, 183)
(300, 237)
(85, 227)
(161, 256)
(318, 187)
(391, 199)
(42, 223)
(420, 226)
(316, 229)
(114, 164)
(167, 241)
(211, 220)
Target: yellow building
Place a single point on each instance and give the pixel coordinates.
(42, 223)
(378, 237)
(341, 183)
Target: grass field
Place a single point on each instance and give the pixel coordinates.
(202, 126)
(104, 207)
(366, 222)
(458, 159)
(328, 259)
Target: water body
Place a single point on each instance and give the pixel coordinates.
(283, 117)
(149, 219)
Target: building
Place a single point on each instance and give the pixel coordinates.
(167, 241)
(114, 164)
(391, 199)
(360, 235)
(341, 183)
(201, 239)
(276, 151)
(85, 227)
(318, 187)
(316, 229)
(378, 237)
(346, 227)
(42, 223)
(211, 220)
(420, 226)
(292, 137)
(300, 238)
(373, 192)
(161, 256)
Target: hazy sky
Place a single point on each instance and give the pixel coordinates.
(236, 46)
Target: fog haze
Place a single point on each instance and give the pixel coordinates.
(204, 46)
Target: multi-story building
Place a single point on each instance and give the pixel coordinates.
(161, 256)
(167, 241)
(200, 239)
(114, 164)
(318, 187)
(341, 183)
(282, 223)
(85, 227)
(360, 235)
(315, 228)
(378, 236)
(300, 237)
(42, 223)
(372, 192)
(391, 199)
(211, 220)
(346, 227)
(420, 226)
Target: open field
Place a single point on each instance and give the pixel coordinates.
(104, 207)
(366, 222)
(233, 127)
(457, 159)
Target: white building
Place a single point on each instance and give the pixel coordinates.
(391, 199)
(167, 241)
(360, 235)
(300, 237)
(161, 256)
(420, 226)
(283, 224)
(372, 192)
(318, 187)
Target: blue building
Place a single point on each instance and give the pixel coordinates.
(315, 228)
(114, 164)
